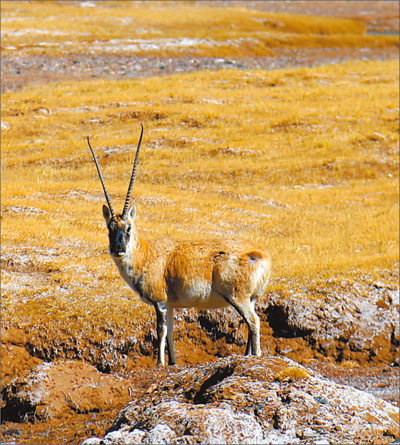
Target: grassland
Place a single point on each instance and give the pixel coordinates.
(301, 160)
(304, 161)
(146, 28)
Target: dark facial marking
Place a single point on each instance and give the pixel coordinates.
(119, 237)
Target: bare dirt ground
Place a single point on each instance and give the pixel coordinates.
(17, 72)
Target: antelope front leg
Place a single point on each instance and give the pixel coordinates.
(249, 347)
(161, 313)
(170, 340)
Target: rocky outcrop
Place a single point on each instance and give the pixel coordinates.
(252, 400)
(346, 321)
(52, 390)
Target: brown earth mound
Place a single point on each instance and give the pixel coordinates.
(62, 388)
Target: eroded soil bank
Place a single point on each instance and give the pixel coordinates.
(349, 335)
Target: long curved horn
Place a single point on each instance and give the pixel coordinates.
(102, 181)
(128, 195)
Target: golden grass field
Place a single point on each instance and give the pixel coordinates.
(304, 161)
(147, 26)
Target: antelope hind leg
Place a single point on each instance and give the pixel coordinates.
(246, 309)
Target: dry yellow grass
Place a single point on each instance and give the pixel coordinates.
(171, 29)
(292, 374)
(304, 161)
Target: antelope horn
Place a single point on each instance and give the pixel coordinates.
(102, 181)
(128, 195)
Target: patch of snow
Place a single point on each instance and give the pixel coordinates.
(88, 4)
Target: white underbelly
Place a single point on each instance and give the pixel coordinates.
(200, 295)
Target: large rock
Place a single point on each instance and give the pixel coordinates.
(52, 390)
(252, 400)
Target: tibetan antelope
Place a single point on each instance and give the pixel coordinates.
(169, 274)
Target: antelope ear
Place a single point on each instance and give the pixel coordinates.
(106, 214)
(131, 213)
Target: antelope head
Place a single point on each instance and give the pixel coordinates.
(119, 226)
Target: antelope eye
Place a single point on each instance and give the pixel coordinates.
(128, 230)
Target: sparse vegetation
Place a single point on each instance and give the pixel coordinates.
(292, 373)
